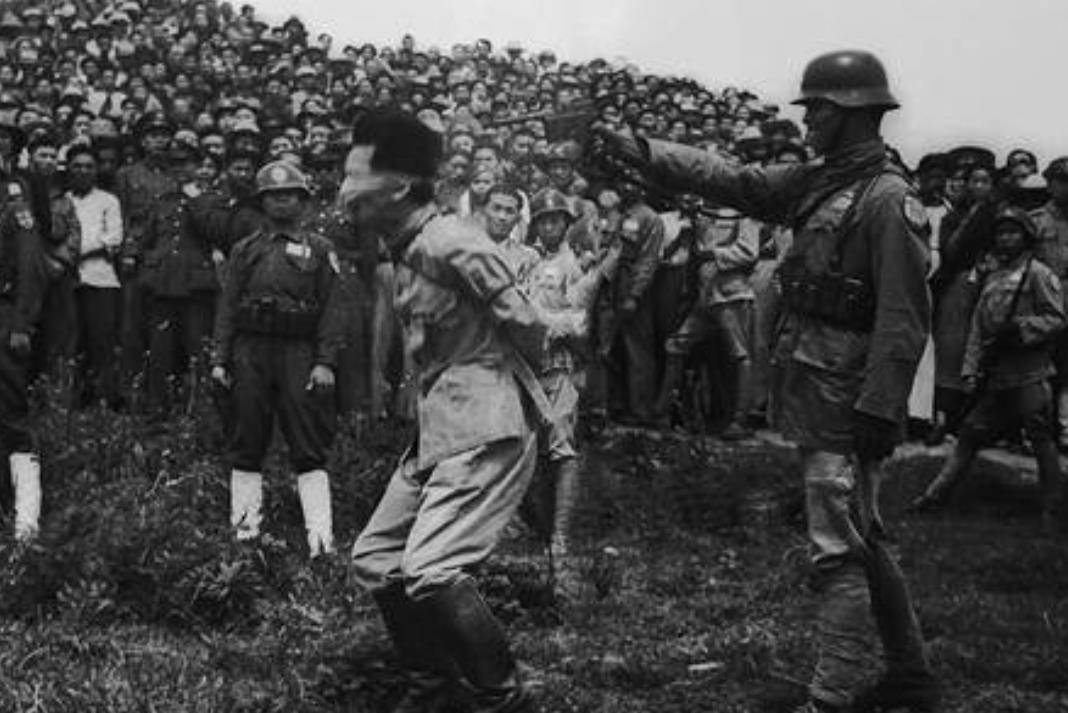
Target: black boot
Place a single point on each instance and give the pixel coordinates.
(736, 388)
(673, 370)
(477, 644)
(1051, 480)
(430, 672)
(915, 693)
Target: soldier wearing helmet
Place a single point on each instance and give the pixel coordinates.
(564, 295)
(1051, 247)
(551, 216)
(1018, 317)
(560, 167)
(278, 330)
(855, 318)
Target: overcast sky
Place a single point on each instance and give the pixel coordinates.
(983, 71)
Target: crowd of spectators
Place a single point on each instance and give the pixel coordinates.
(203, 94)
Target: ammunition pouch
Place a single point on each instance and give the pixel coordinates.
(268, 318)
(841, 300)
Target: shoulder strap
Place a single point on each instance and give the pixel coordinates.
(849, 217)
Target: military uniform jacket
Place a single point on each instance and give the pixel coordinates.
(22, 275)
(228, 220)
(1052, 244)
(175, 254)
(728, 244)
(826, 371)
(1038, 313)
(472, 335)
(140, 188)
(642, 233)
(296, 271)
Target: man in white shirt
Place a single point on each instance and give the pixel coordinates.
(98, 294)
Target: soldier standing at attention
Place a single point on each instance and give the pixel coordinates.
(140, 187)
(278, 331)
(23, 282)
(628, 308)
(856, 314)
(178, 275)
(474, 338)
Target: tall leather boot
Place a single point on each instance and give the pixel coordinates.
(953, 471)
(1051, 480)
(566, 580)
(429, 670)
(736, 389)
(26, 481)
(246, 503)
(476, 642)
(908, 681)
(314, 489)
(674, 368)
(843, 636)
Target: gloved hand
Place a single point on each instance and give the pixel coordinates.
(874, 438)
(608, 145)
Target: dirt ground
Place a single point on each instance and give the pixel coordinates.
(693, 556)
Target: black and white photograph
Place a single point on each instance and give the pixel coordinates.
(497, 356)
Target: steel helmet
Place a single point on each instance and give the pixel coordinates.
(848, 78)
(280, 176)
(1012, 214)
(550, 200)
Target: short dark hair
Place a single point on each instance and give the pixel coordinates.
(506, 189)
(77, 150)
(403, 143)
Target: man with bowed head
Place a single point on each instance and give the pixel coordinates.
(474, 338)
(278, 330)
(856, 313)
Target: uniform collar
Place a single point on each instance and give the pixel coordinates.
(412, 226)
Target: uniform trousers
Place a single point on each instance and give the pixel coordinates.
(179, 328)
(433, 525)
(857, 579)
(15, 436)
(270, 379)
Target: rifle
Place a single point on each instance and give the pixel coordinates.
(991, 349)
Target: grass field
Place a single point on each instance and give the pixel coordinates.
(134, 598)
